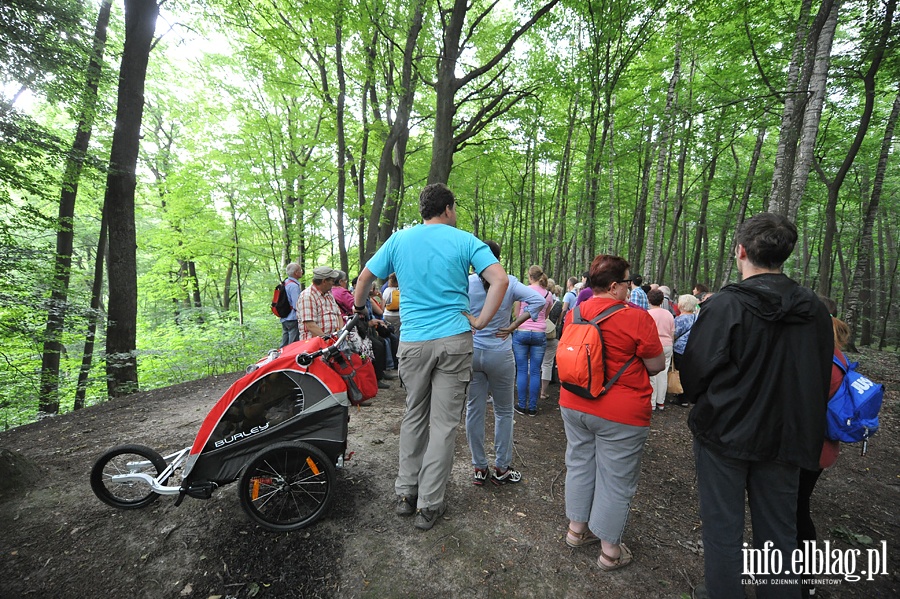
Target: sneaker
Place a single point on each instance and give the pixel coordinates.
(532, 412)
(384, 385)
(390, 375)
(406, 505)
(520, 410)
(509, 476)
(661, 407)
(426, 517)
(481, 475)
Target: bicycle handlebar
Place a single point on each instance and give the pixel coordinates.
(306, 359)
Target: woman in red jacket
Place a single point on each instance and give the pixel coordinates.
(605, 436)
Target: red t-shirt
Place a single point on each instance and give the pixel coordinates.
(626, 333)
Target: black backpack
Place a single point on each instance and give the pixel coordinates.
(556, 317)
(281, 305)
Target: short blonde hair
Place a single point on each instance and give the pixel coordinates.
(687, 303)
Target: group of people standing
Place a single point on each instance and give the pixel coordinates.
(322, 308)
(755, 423)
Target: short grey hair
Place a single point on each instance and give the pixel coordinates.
(687, 303)
(294, 270)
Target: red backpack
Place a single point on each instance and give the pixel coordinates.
(281, 305)
(580, 356)
(358, 373)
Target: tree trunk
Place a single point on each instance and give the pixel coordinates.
(121, 359)
(686, 139)
(237, 258)
(864, 257)
(790, 117)
(867, 305)
(834, 186)
(700, 232)
(341, 139)
(726, 226)
(645, 162)
(196, 300)
(611, 157)
(445, 91)
(226, 291)
(745, 197)
(813, 113)
(562, 258)
(48, 398)
(889, 246)
(650, 261)
(389, 181)
(94, 315)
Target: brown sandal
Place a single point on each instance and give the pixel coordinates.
(625, 558)
(581, 539)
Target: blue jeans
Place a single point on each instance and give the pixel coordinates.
(492, 371)
(289, 332)
(528, 347)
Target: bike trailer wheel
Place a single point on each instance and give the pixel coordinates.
(126, 459)
(287, 486)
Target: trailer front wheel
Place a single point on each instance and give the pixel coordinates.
(126, 459)
(287, 486)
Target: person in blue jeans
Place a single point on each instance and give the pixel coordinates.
(493, 370)
(529, 343)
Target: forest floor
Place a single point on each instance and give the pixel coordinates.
(58, 540)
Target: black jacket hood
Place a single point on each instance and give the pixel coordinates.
(775, 297)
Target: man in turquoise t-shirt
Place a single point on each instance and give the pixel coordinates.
(432, 263)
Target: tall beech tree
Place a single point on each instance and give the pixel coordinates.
(878, 47)
(121, 332)
(389, 179)
(803, 100)
(449, 134)
(48, 398)
(864, 251)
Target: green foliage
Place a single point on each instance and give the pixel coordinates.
(44, 44)
(238, 168)
(168, 353)
(193, 347)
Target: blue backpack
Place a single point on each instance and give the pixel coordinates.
(853, 409)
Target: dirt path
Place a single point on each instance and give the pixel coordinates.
(58, 540)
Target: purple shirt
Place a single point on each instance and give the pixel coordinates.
(584, 295)
(344, 299)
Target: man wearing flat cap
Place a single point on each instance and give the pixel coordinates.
(317, 311)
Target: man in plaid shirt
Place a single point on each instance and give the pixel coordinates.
(316, 307)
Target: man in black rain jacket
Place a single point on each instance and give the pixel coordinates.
(757, 366)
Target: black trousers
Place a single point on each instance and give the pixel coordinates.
(380, 351)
